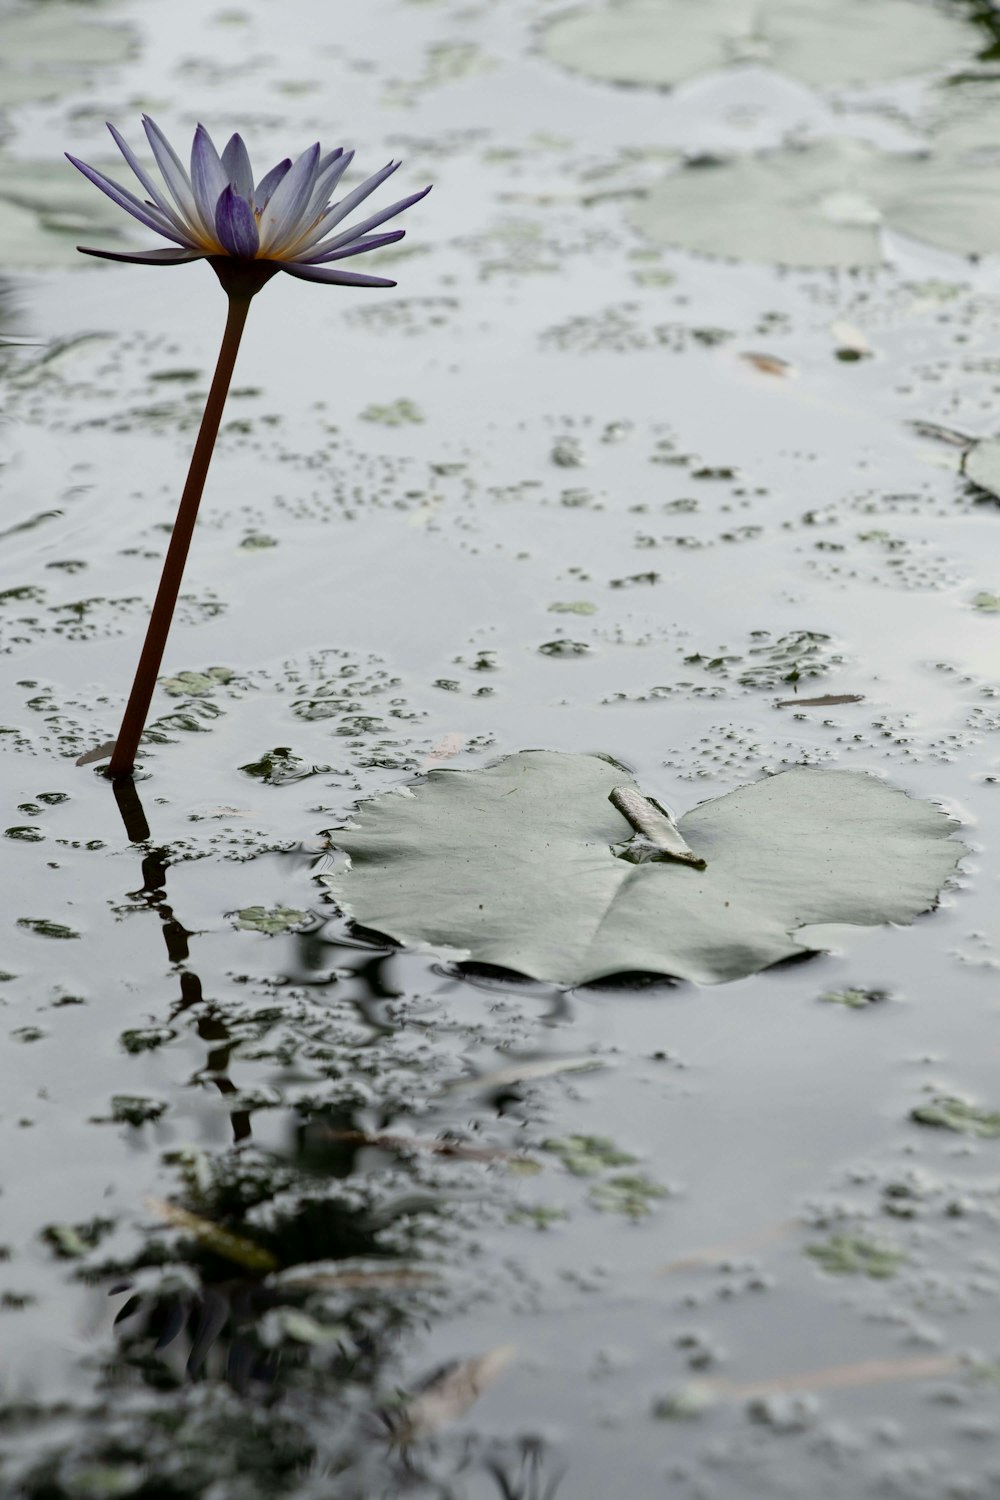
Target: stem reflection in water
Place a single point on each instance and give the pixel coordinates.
(211, 1027)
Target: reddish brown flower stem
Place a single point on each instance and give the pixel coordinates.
(137, 708)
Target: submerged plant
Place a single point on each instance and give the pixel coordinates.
(247, 234)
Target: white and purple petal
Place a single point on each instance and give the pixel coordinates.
(263, 191)
(329, 170)
(333, 278)
(340, 210)
(173, 172)
(147, 257)
(152, 187)
(369, 223)
(146, 213)
(356, 247)
(280, 219)
(236, 164)
(236, 225)
(314, 217)
(208, 178)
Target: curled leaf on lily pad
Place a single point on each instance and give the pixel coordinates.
(659, 43)
(824, 205)
(529, 865)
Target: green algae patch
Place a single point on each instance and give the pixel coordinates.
(401, 413)
(854, 1255)
(949, 1112)
(136, 1110)
(270, 920)
(74, 1241)
(587, 1155)
(854, 998)
(573, 607)
(43, 927)
(279, 766)
(197, 684)
(633, 1195)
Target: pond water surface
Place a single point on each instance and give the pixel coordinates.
(285, 1211)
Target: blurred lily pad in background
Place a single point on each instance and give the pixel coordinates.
(824, 204)
(659, 43)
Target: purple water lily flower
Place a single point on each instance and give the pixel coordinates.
(285, 220)
(247, 233)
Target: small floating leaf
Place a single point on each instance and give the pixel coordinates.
(516, 866)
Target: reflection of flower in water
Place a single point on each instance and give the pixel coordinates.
(266, 1324)
(524, 1478)
(217, 210)
(313, 1284)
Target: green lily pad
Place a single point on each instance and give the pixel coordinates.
(823, 204)
(659, 43)
(529, 866)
